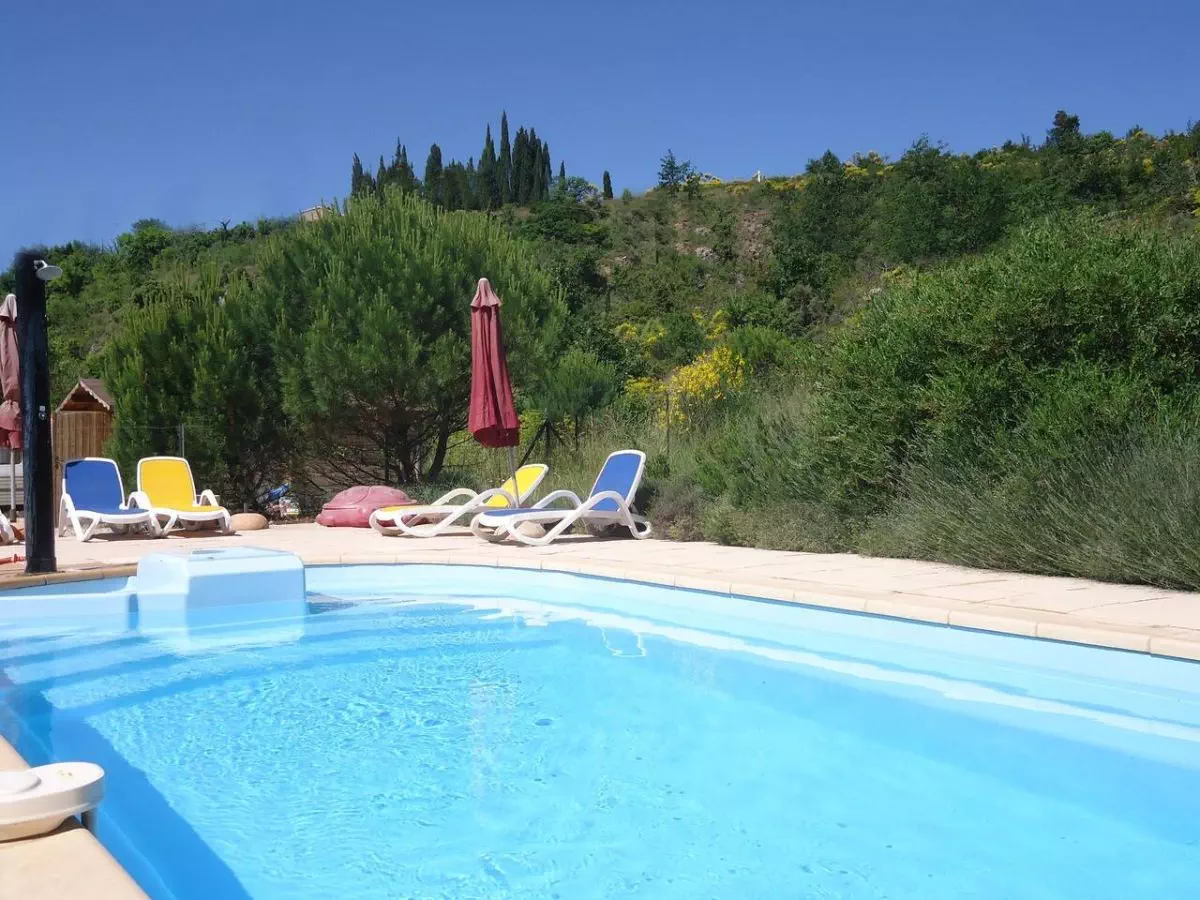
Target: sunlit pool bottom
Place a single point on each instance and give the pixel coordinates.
(467, 732)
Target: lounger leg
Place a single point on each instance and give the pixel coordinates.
(429, 529)
(85, 531)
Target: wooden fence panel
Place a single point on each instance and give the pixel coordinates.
(77, 434)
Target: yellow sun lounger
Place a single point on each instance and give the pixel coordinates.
(392, 520)
(167, 489)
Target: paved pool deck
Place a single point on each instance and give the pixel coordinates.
(1126, 617)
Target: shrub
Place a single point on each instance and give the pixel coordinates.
(1036, 408)
(941, 367)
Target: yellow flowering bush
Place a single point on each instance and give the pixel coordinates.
(714, 326)
(710, 377)
(649, 334)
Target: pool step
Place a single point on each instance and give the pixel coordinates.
(180, 592)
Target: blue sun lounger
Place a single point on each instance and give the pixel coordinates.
(93, 495)
(609, 503)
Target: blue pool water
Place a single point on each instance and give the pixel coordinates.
(460, 733)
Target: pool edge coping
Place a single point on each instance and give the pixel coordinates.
(68, 860)
(1019, 622)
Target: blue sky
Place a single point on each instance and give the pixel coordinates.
(197, 112)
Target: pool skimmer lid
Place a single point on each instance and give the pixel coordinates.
(36, 801)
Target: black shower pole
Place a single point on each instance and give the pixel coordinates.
(38, 455)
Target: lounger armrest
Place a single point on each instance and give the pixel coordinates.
(606, 495)
(140, 500)
(67, 505)
(207, 498)
(497, 492)
(452, 495)
(558, 495)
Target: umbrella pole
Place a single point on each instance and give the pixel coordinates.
(12, 484)
(512, 468)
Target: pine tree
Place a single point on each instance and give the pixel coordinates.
(608, 193)
(489, 182)
(382, 176)
(673, 174)
(389, 392)
(435, 191)
(504, 170)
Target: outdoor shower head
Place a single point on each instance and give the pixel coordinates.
(45, 271)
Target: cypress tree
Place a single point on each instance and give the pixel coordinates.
(452, 197)
(504, 171)
(434, 189)
(521, 168)
(474, 195)
(382, 175)
(402, 174)
(537, 162)
(488, 177)
(356, 177)
(562, 177)
(546, 173)
(608, 194)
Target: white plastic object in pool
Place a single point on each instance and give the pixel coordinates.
(36, 801)
(204, 599)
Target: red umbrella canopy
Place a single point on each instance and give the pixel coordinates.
(493, 417)
(10, 376)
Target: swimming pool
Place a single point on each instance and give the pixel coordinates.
(433, 731)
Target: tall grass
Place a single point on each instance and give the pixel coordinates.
(1123, 512)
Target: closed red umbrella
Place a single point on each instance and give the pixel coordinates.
(10, 376)
(492, 416)
(10, 391)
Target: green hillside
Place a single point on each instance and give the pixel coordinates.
(988, 358)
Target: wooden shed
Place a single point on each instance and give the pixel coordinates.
(82, 423)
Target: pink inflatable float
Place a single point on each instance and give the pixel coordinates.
(352, 508)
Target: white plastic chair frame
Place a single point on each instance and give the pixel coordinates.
(189, 517)
(84, 522)
(442, 506)
(501, 527)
